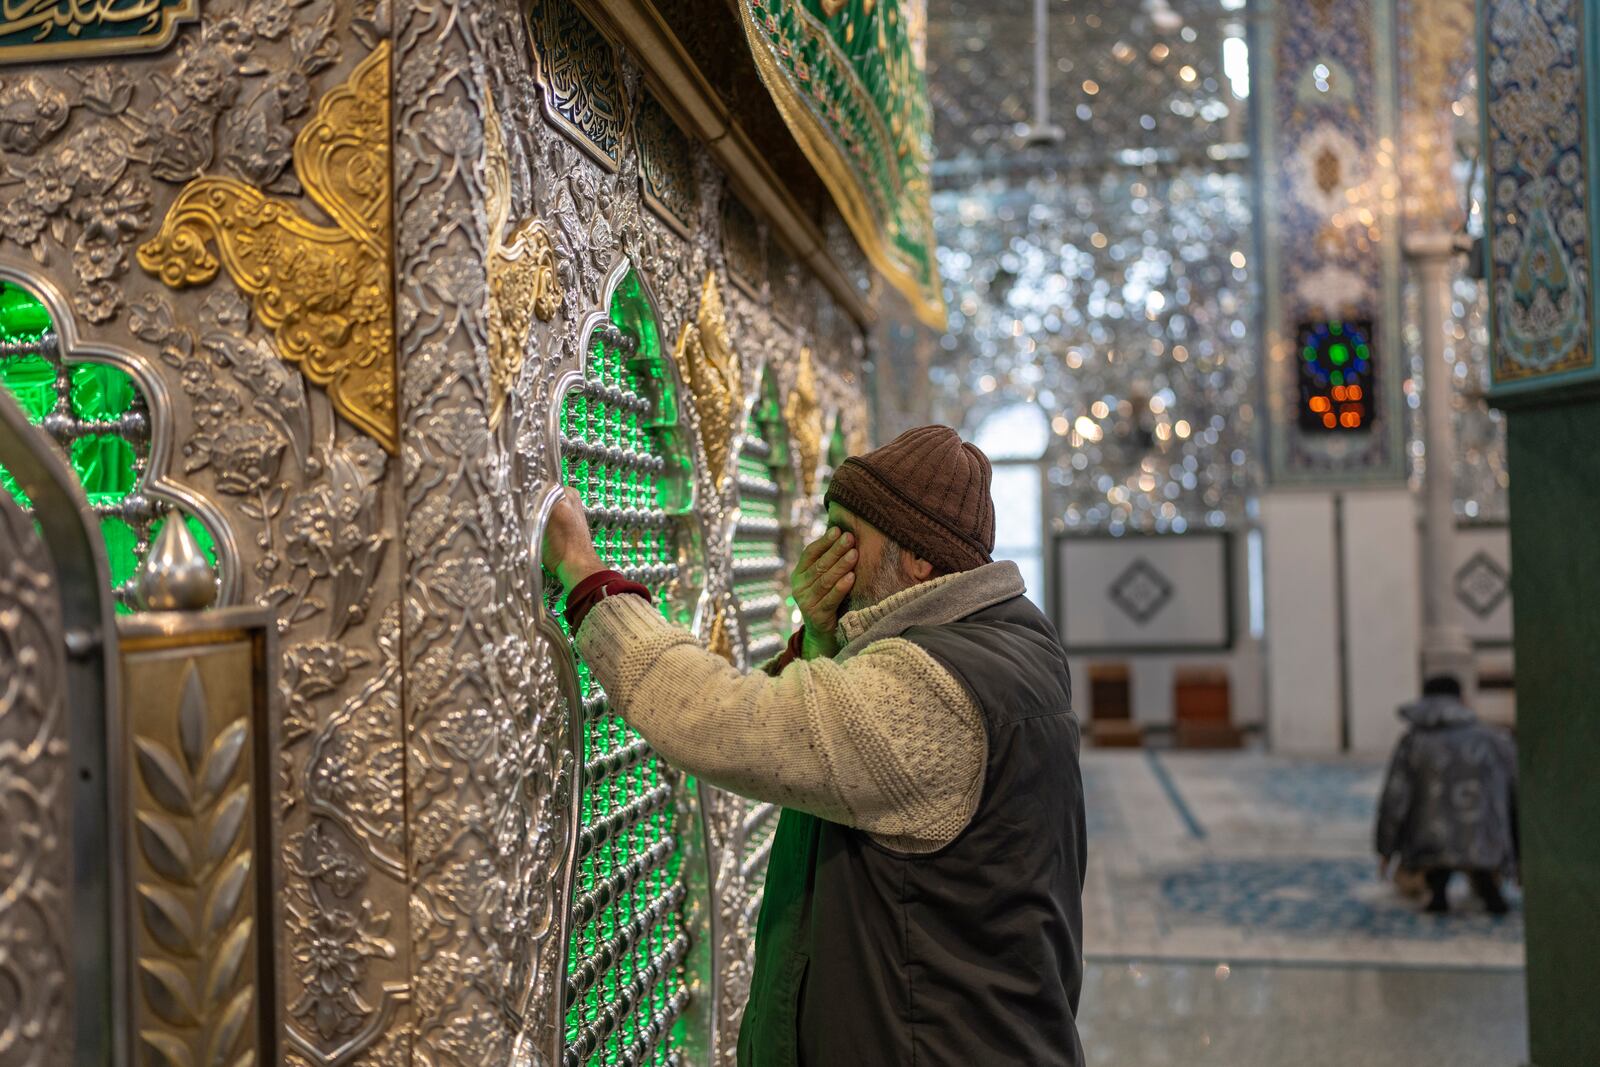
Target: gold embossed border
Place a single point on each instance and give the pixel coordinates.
(324, 291)
(707, 361)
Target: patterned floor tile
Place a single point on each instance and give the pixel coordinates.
(1246, 856)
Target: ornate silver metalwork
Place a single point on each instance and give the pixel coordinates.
(36, 971)
(176, 576)
(666, 166)
(674, 446)
(153, 419)
(594, 217)
(302, 509)
(54, 600)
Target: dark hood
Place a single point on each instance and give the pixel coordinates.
(1437, 712)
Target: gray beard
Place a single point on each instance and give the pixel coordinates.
(874, 588)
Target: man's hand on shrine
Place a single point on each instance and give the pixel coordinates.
(568, 549)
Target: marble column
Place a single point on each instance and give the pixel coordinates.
(1446, 648)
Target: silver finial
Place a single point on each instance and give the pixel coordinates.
(175, 575)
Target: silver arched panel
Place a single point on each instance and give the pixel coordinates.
(157, 490)
(59, 995)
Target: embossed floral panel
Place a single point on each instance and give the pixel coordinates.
(36, 804)
(847, 76)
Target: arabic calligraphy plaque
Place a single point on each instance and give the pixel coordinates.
(32, 30)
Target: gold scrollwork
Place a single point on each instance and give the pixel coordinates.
(720, 638)
(708, 363)
(325, 291)
(522, 271)
(802, 413)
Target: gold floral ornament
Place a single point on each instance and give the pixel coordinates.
(522, 271)
(720, 639)
(803, 415)
(707, 361)
(325, 291)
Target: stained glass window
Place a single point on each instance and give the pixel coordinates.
(1337, 376)
(96, 414)
(626, 990)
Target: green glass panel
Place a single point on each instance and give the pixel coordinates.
(22, 316)
(100, 393)
(122, 551)
(105, 464)
(9, 484)
(608, 484)
(122, 554)
(32, 380)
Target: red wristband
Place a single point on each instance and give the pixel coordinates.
(791, 652)
(595, 588)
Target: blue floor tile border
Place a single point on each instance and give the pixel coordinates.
(1175, 798)
(1316, 897)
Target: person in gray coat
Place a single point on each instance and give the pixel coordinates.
(1450, 801)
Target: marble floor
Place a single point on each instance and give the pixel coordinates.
(1284, 1015)
(1246, 856)
(1233, 916)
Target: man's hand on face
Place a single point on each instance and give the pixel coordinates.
(822, 579)
(568, 550)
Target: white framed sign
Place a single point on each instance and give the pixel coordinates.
(1145, 592)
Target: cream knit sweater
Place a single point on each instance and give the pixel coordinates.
(882, 737)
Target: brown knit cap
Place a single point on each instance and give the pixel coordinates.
(927, 489)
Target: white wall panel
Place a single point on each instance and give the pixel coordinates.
(1382, 620)
(1302, 639)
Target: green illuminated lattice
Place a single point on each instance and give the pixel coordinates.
(625, 978)
(85, 407)
(22, 317)
(838, 449)
(760, 571)
(32, 381)
(100, 393)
